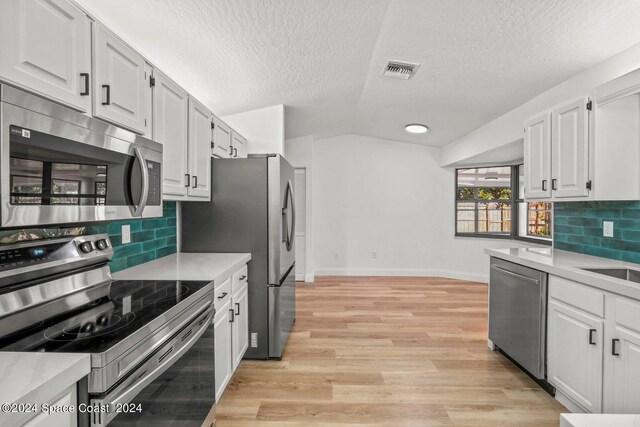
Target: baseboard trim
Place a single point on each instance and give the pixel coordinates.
(402, 272)
(309, 277)
(473, 277)
(375, 272)
(568, 403)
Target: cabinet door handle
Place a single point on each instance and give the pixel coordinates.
(195, 181)
(235, 152)
(553, 184)
(108, 88)
(187, 179)
(592, 340)
(237, 309)
(85, 76)
(613, 347)
(544, 185)
(232, 316)
(231, 150)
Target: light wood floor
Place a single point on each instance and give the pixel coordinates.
(387, 351)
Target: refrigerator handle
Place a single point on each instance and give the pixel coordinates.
(290, 233)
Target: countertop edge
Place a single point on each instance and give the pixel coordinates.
(574, 272)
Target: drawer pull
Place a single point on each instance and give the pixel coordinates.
(224, 294)
(243, 277)
(592, 340)
(613, 347)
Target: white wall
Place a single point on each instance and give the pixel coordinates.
(389, 197)
(263, 129)
(300, 155)
(508, 128)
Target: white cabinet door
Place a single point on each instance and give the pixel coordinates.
(45, 47)
(622, 361)
(239, 145)
(537, 157)
(223, 359)
(170, 107)
(120, 83)
(570, 149)
(240, 325)
(58, 419)
(199, 150)
(221, 139)
(574, 354)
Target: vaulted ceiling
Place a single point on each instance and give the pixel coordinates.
(323, 59)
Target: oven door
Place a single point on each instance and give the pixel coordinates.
(57, 172)
(175, 386)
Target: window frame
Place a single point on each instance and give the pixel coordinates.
(515, 217)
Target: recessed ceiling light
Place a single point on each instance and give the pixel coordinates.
(416, 128)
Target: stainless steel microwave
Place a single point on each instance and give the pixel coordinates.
(58, 166)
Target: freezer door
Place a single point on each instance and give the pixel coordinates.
(281, 218)
(282, 313)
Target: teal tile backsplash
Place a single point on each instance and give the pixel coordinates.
(578, 228)
(150, 238)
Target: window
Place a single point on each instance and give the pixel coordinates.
(489, 203)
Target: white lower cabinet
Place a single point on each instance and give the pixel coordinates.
(68, 398)
(574, 363)
(240, 325)
(231, 324)
(622, 363)
(222, 334)
(593, 347)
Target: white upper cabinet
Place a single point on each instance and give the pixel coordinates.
(617, 139)
(239, 145)
(221, 139)
(537, 157)
(570, 149)
(45, 47)
(200, 134)
(556, 152)
(120, 83)
(170, 107)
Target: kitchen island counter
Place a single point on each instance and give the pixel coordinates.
(36, 379)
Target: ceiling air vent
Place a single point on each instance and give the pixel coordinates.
(400, 70)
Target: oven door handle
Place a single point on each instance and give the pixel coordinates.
(137, 211)
(126, 392)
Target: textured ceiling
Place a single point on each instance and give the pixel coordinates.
(323, 58)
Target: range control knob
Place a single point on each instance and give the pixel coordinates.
(102, 244)
(85, 247)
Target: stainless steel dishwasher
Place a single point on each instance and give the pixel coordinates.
(518, 314)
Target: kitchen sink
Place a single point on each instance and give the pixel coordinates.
(618, 273)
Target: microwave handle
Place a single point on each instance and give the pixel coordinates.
(145, 182)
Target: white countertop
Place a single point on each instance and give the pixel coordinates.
(187, 266)
(36, 378)
(568, 265)
(599, 420)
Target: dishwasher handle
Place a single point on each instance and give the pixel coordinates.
(516, 275)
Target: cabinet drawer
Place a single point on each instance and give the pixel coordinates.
(626, 312)
(577, 295)
(222, 294)
(239, 279)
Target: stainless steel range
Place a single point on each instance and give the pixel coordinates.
(150, 342)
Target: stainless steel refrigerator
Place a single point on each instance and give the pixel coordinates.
(252, 210)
